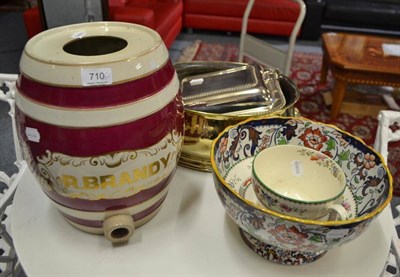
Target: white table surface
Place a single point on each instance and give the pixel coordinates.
(191, 236)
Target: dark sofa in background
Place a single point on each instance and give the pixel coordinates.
(381, 17)
(277, 17)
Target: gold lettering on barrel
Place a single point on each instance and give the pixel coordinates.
(121, 179)
(154, 168)
(69, 181)
(108, 180)
(139, 173)
(125, 179)
(165, 160)
(90, 182)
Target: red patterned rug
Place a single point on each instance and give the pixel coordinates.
(305, 72)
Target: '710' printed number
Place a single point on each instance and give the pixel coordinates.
(96, 76)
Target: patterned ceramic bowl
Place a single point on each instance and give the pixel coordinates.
(277, 236)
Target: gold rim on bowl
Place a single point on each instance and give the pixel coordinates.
(296, 219)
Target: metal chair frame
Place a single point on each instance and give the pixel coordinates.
(265, 53)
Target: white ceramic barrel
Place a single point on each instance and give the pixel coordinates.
(100, 122)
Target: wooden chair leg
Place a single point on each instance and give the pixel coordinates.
(337, 97)
(324, 70)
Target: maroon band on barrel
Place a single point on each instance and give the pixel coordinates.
(99, 223)
(97, 97)
(97, 141)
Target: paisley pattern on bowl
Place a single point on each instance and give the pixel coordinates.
(368, 192)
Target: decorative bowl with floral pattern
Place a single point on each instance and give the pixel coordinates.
(280, 237)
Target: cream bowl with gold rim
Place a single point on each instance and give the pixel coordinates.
(298, 181)
(289, 239)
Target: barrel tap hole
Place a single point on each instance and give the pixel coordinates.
(119, 233)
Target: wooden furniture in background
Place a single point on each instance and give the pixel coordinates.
(357, 59)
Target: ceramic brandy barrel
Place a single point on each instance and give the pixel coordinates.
(100, 122)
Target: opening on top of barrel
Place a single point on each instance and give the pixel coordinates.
(95, 45)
